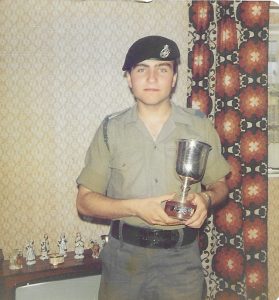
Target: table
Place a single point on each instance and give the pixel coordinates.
(43, 271)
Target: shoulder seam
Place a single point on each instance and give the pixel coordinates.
(105, 125)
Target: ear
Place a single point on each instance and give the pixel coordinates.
(129, 80)
(174, 79)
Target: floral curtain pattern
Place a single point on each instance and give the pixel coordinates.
(227, 68)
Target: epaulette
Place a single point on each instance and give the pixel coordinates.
(195, 112)
(199, 113)
(105, 125)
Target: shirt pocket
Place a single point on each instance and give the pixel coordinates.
(127, 173)
(126, 161)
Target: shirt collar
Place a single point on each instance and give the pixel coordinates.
(180, 115)
(132, 115)
(177, 115)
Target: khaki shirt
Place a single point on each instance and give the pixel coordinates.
(136, 166)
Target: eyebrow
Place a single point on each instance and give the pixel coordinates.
(162, 64)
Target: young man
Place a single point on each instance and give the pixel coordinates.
(130, 171)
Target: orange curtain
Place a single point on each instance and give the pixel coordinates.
(227, 80)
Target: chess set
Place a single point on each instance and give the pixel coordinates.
(18, 257)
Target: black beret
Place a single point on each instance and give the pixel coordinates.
(151, 47)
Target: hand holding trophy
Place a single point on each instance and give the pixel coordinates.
(190, 166)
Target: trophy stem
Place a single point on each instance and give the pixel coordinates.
(185, 189)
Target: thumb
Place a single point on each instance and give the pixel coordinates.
(166, 197)
(191, 198)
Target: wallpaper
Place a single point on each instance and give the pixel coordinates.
(60, 75)
(273, 241)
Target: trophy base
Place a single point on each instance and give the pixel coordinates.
(180, 211)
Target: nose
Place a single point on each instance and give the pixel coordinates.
(152, 75)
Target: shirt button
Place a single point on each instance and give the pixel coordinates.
(155, 147)
(156, 180)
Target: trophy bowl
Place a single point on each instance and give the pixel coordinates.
(190, 166)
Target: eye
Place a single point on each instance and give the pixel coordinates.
(163, 69)
(140, 69)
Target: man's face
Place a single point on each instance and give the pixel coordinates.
(152, 81)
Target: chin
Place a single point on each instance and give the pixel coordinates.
(152, 100)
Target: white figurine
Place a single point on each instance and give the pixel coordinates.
(62, 244)
(46, 243)
(30, 253)
(79, 246)
(44, 254)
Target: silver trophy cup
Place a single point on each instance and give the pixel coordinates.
(190, 166)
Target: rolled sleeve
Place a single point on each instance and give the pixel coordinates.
(217, 167)
(96, 171)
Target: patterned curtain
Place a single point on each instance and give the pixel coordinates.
(227, 68)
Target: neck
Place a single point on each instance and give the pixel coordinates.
(154, 117)
(154, 112)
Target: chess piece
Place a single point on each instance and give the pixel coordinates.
(79, 246)
(62, 244)
(46, 243)
(30, 253)
(44, 254)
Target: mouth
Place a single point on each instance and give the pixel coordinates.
(151, 90)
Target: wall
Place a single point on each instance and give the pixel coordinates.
(60, 75)
(273, 241)
(273, 188)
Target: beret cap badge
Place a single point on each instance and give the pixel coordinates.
(165, 52)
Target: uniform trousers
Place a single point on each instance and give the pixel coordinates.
(135, 273)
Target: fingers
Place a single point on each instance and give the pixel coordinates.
(200, 215)
(153, 211)
(159, 217)
(166, 220)
(166, 197)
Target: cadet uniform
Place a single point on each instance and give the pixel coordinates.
(124, 162)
